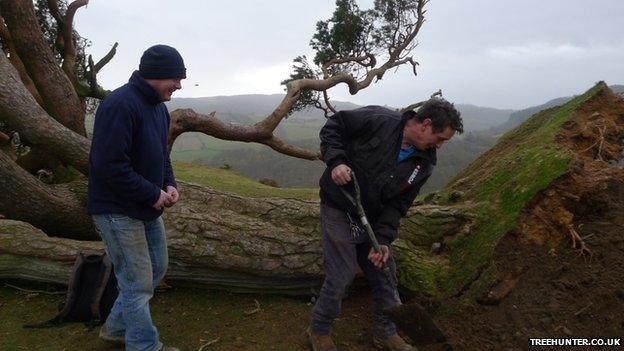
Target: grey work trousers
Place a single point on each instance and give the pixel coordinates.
(342, 253)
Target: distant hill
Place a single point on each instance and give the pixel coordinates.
(518, 117)
(479, 118)
(247, 109)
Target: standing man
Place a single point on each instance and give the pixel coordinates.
(392, 156)
(130, 183)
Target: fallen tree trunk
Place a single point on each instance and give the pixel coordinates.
(220, 240)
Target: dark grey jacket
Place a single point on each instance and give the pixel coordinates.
(368, 140)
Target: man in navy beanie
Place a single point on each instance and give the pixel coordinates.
(130, 183)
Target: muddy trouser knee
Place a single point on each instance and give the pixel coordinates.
(341, 253)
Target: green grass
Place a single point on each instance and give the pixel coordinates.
(186, 318)
(193, 155)
(524, 161)
(229, 181)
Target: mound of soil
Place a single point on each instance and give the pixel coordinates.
(561, 273)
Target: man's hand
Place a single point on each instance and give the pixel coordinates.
(163, 199)
(379, 259)
(173, 194)
(341, 174)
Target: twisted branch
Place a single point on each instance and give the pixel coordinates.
(65, 37)
(187, 120)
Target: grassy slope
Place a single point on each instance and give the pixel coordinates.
(525, 161)
(231, 182)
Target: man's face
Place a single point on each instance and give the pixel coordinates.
(422, 136)
(165, 87)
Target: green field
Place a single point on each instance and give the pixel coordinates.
(229, 181)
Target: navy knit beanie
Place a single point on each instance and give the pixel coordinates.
(162, 62)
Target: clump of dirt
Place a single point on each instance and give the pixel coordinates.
(561, 273)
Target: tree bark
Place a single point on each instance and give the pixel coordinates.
(16, 61)
(56, 90)
(58, 210)
(20, 111)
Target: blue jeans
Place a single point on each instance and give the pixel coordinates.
(342, 254)
(138, 250)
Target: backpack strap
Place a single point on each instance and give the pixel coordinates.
(70, 298)
(105, 272)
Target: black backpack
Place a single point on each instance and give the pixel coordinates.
(91, 293)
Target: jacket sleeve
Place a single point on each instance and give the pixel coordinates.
(113, 160)
(386, 226)
(169, 178)
(338, 130)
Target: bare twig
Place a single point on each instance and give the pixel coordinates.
(583, 309)
(35, 291)
(420, 103)
(209, 343)
(327, 103)
(578, 242)
(255, 310)
(599, 141)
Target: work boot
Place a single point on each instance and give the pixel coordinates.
(320, 342)
(169, 348)
(393, 343)
(106, 336)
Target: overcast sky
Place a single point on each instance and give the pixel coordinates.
(497, 53)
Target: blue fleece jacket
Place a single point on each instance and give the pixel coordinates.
(129, 162)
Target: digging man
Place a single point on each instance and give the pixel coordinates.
(392, 156)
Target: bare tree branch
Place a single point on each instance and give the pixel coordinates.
(360, 60)
(187, 120)
(327, 103)
(291, 150)
(55, 11)
(91, 88)
(66, 31)
(106, 59)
